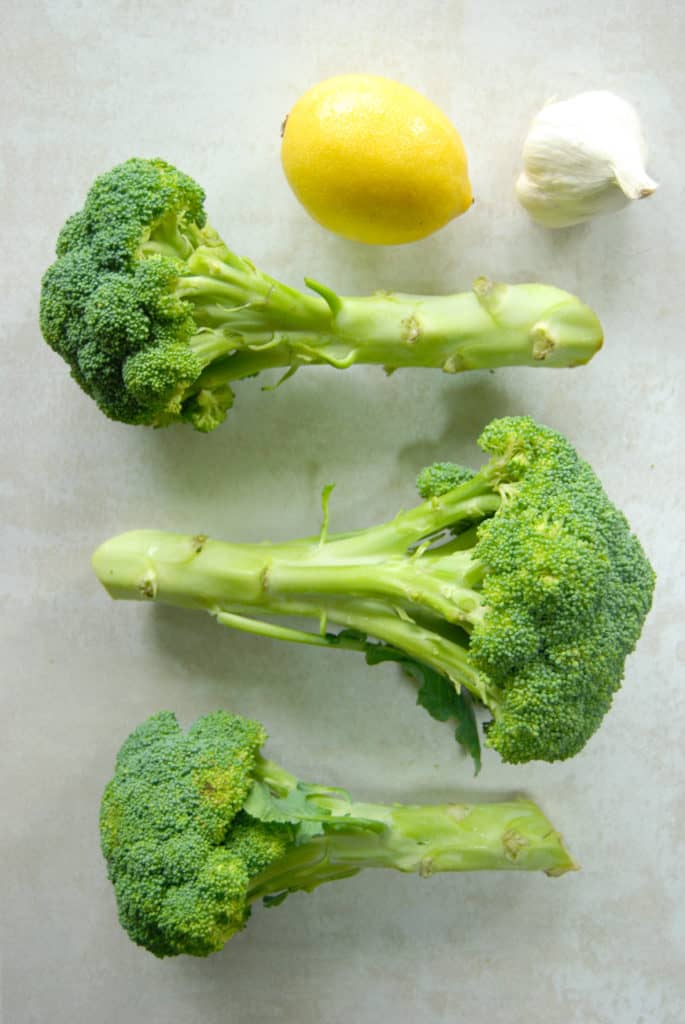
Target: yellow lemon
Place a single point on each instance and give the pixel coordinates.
(374, 161)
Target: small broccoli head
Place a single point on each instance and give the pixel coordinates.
(439, 478)
(179, 849)
(108, 305)
(566, 590)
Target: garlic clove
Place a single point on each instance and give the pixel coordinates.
(583, 157)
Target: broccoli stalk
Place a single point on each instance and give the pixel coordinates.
(362, 581)
(521, 584)
(417, 839)
(157, 317)
(197, 826)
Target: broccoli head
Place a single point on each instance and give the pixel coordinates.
(157, 317)
(521, 584)
(108, 303)
(197, 826)
(180, 849)
(566, 589)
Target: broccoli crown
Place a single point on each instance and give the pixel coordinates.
(112, 314)
(566, 590)
(180, 851)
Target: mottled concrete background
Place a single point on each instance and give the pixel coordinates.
(85, 85)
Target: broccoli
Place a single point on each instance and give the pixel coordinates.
(197, 826)
(157, 317)
(531, 609)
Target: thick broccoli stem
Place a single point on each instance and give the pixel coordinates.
(514, 836)
(263, 324)
(379, 582)
(245, 579)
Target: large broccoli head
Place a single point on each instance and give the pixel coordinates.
(566, 590)
(108, 305)
(179, 849)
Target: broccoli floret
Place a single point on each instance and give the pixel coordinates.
(157, 317)
(436, 480)
(522, 584)
(197, 826)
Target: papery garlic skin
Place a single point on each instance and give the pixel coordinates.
(583, 157)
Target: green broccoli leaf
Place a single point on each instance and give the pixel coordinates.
(292, 809)
(466, 732)
(310, 816)
(438, 696)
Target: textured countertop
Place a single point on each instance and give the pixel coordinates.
(85, 86)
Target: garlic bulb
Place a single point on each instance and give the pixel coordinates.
(582, 157)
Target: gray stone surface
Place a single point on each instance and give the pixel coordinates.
(206, 86)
